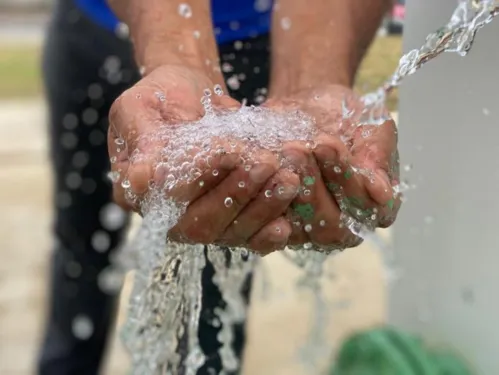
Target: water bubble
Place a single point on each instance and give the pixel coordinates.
(215, 172)
(268, 193)
(233, 82)
(336, 169)
(278, 229)
(142, 71)
(161, 96)
(95, 91)
(90, 116)
(119, 141)
(113, 159)
(322, 223)
(207, 92)
(408, 167)
(308, 228)
(73, 180)
(373, 217)
(101, 241)
(218, 90)
(241, 184)
(306, 192)
(227, 68)
(201, 183)
(73, 269)
(70, 121)
(196, 34)
(285, 23)
(308, 245)
(228, 202)
(82, 327)
(247, 168)
(125, 184)
(122, 30)
(263, 5)
(238, 45)
(110, 281)
(185, 10)
(112, 216)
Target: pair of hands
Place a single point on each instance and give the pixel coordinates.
(347, 169)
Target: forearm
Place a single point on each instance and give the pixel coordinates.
(165, 32)
(322, 41)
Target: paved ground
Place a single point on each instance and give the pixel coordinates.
(277, 324)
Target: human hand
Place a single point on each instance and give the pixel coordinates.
(220, 190)
(347, 171)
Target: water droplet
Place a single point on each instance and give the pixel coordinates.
(247, 168)
(486, 111)
(207, 92)
(228, 202)
(196, 34)
(285, 23)
(233, 82)
(119, 141)
(215, 172)
(373, 217)
(278, 229)
(268, 193)
(125, 184)
(336, 169)
(308, 228)
(241, 184)
(82, 327)
(101, 241)
(322, 223)
(218, 90)
(408, 167)
(201, 183)
(161, 96)
(113, 159)
(235, 221)
(112, 216)
(185, 10)
(142, 70)
(306, 192)
(308, 245)
(238, 45)
(113, 176)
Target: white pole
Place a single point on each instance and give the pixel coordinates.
(447, 236)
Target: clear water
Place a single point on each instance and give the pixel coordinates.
(165, 305)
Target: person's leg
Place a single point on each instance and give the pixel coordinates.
(246, 71)
(85, 69)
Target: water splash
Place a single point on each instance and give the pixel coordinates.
(164, 310)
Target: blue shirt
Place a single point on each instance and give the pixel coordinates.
(232, 19)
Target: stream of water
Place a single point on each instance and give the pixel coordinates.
(165, 306)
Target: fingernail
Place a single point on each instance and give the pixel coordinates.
(383, 176)
(261, 172)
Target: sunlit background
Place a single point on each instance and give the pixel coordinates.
(276, 324)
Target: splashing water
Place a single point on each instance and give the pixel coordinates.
(164, 311)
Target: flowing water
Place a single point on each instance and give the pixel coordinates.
(165, 306)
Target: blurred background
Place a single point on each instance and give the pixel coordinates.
(276, 324)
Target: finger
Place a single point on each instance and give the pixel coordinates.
(208, 217)
(272, 202)
(314, 207)
(361, 193)
(272, 237)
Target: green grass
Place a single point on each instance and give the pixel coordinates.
(20, 69)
